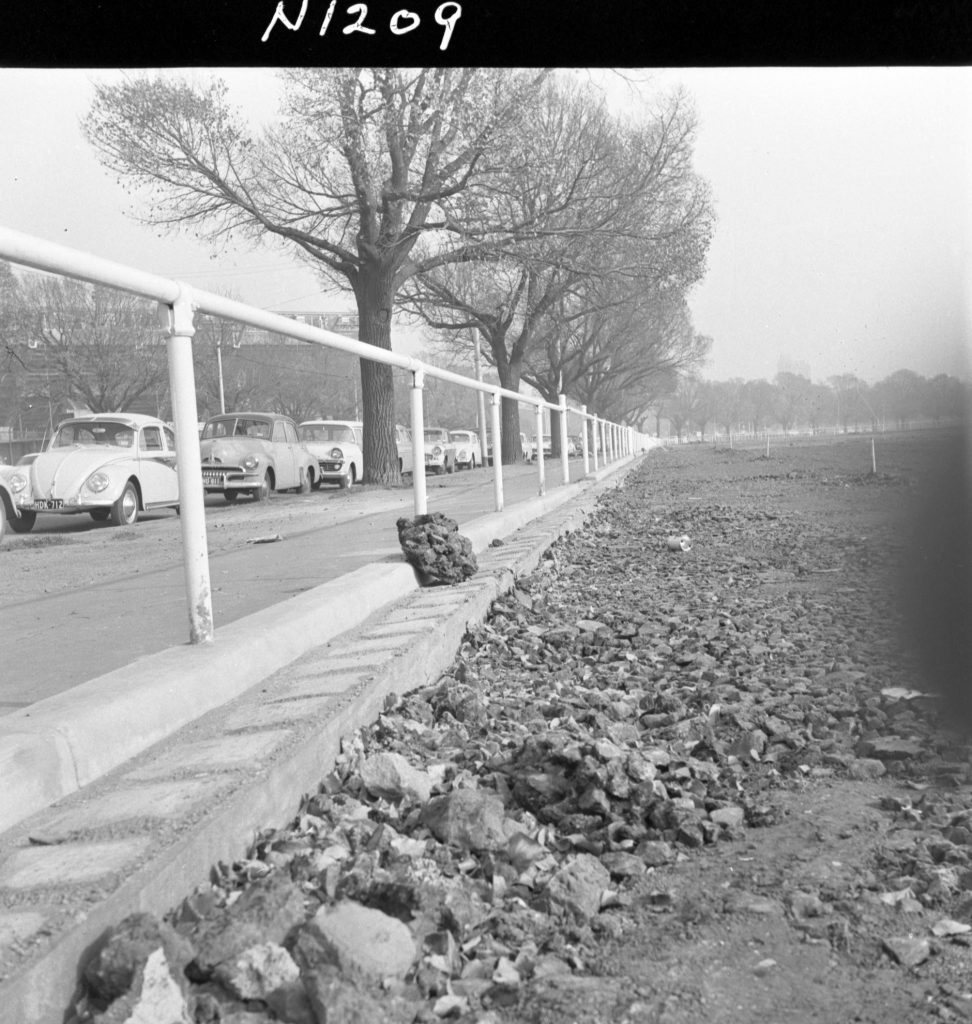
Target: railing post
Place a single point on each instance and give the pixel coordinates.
(541, 479)
(495, 406)
(563, 439)
(594, 440)
(420, 495)
(177, 324)
(585, 423)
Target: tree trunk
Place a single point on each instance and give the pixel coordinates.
(512, 450)
(374, 293)
(508, 372)
(555, 433)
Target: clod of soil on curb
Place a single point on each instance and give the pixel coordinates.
(434, 547)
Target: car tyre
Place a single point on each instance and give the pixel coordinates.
(450, 467)
(124, 512)
(25, 523)
(100, 515)
(306, 481)
(231, 496)
(262, 493)
(348, 479)
(3, 519)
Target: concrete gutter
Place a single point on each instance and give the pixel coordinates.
(58, 745)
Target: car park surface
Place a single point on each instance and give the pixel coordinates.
(254, 453)
(336, 444)
(72, 582)
(112, 466)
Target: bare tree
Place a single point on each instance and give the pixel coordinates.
(612, 203)
(630, 354)
(364, 177)
(791, 394)
(101, 346)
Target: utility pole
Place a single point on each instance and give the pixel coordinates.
(481, 403)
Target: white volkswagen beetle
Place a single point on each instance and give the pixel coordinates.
(110, 465)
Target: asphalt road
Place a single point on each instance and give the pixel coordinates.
(65, 628)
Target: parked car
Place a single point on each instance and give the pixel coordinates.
(403, 441)
(440, 451)
(254, 453)
(467, 448)
(526, 446)
(110, 465)
(575, 445)
(7, 510)
(336, 444)
(547, 446)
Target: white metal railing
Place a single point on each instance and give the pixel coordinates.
(177, 304)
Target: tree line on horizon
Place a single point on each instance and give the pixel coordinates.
(845, 403)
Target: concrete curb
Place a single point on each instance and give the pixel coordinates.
(59, 744)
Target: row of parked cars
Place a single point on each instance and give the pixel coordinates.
(113, 466)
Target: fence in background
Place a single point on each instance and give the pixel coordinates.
(178, 302)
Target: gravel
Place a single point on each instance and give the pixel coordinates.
(658, 783)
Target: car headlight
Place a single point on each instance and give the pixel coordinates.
(335, 453)
(17, 483)
(97, 482)
(250, 462)
(436, 452)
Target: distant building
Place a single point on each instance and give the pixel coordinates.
(787, 365)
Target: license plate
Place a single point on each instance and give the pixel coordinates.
(210, 477)
(44, 503)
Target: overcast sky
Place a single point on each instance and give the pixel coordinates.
(843, 202)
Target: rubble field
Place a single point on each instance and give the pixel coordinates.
(663, 783)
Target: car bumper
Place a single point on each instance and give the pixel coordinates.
(333, 471)
(60, 505)
(219, 480)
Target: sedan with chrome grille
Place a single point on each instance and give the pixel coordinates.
(255, 453)
(337, 446)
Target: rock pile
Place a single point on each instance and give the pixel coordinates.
(434, 547)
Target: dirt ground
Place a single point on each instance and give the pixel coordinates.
(68, 553)
(737, 742)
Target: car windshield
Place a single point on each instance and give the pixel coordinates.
(326, 432)
(460, 435)
(237, 426)
(434, 435)
(102, 432)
